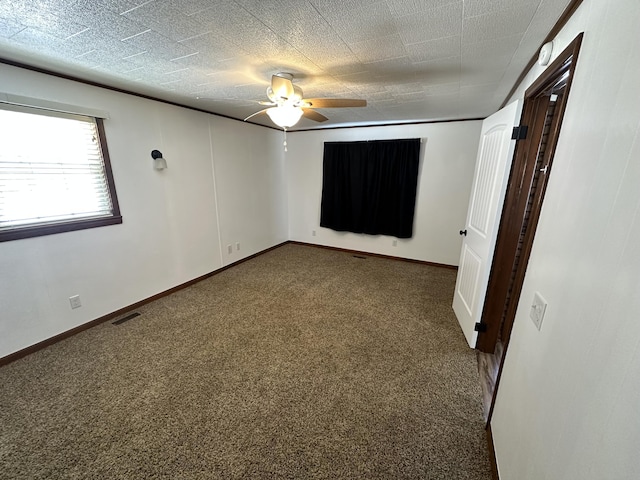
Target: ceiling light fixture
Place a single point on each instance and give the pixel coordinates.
(285, 116)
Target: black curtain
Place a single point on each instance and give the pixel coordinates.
(370, 187)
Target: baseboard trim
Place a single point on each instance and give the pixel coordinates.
(109, 316)
(379, 255)
(492, 454)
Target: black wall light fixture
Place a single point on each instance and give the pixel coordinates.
(159, 163)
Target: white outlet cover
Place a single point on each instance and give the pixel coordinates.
(75, 301)
(538, 307)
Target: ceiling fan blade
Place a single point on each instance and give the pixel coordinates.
(282, 87)
(313, 115)
(257, 113)
(334, 102)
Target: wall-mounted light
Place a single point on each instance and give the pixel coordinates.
(159, 163)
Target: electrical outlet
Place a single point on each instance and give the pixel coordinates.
(313, 233)
(395, 243)
(238, 246)
(229, 249)
(75, 301)
(538, 307)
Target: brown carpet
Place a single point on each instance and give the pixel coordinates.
(300, 363)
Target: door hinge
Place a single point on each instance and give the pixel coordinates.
(519, 133)
(480, 327)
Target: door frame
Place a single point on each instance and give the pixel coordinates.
(518, 195)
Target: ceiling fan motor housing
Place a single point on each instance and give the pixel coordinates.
(283, 97)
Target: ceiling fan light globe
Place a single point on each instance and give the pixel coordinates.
(285, 116)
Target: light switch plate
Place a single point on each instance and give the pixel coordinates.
(538, 307)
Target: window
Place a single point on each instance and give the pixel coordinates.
(370, 187)
(55, 174)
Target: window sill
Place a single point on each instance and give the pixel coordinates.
(70, 226)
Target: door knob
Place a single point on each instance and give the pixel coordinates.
(463, 232)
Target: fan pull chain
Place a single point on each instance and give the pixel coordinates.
(285, 138)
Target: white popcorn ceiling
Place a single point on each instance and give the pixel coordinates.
(412, 60)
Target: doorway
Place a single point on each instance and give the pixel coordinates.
(543, 110)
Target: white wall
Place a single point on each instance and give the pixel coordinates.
(568, 406)
(255, 216)
(173, 221)
(447, 161)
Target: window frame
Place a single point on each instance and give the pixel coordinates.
(30, 231)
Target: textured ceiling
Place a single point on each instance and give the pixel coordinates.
(412, 60)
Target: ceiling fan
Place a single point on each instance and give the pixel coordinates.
(286, 105)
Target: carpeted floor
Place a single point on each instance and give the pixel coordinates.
(300, 363)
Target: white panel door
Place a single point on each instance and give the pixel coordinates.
(495, 154)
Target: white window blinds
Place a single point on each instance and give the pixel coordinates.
(51, 168)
